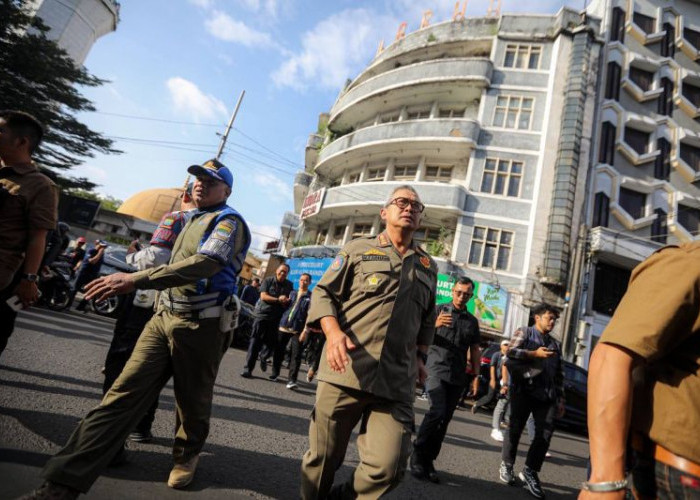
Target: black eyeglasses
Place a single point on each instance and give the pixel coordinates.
(404, 202)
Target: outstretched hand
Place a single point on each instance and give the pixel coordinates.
(109, 286)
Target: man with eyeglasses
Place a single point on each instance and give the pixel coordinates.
(457, 336)
(537, 387)
(376, 306)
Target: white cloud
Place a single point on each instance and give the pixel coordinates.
(337, 48)
(261, 235)
(188, 98)
(204, 4)
(95, 174)
(273, 187)
(226, 28)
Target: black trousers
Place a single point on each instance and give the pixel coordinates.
(443, 398)
(283, 339)
(315, 343)
(489, 397)
(127, 330)
(264, 333)
(7, 314)
(543, 412)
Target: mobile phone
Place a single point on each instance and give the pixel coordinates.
(14, 303)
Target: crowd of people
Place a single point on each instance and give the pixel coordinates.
(375, 310)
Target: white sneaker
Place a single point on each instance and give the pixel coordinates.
(292, 385)
(496, 435)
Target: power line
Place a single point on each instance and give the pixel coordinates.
(263, 146)
(162, 120)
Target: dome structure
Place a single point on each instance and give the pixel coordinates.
(152, 204)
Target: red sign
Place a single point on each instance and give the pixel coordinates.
(271, 246)
(312, 204)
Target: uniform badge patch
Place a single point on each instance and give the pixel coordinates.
(425, 261)
(373, 280)
(374, 251)
(224, 229)
(169, 221)
(338, 262)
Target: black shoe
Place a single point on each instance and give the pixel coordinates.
(273, 377)
(505, 472)
(141, 437)
(417, 468)
(246, 374)
(432, 473)
(532, 482)
(263, 364)
(52, 491)
(474, 408)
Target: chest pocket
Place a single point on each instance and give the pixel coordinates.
(421, 288)
(376, 276)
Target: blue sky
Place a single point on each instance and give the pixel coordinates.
(176, 68)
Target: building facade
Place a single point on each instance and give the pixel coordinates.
(490, 120)
(646, 160)
(76, 24)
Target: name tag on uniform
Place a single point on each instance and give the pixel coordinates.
(374, 255)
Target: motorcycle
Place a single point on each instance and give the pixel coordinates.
(54, 285)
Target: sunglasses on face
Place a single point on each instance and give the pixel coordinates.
(402, 203)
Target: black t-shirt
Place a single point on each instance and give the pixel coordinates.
(447, 357)
(272, 287)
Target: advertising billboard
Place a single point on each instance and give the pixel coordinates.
(488, 304)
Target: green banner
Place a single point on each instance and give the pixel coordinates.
(488, 304)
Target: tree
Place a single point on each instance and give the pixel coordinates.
(106, 202)
(39, 77)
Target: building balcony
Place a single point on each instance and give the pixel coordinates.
(642, 36)
(687, 46)
(638, 93)
(448, 137)
(302, 181)
(620, 248)
(313, 146)
(455, 80)
(366, 198)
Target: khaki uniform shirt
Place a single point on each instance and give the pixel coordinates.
(659, 319)
(385, 303)
(29, 201)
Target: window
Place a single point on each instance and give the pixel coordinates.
(375, 174)
(513, 112)
(491, 248)
(321, 237)
(502, 177)
(452, 113)
(662, 165)
(601, 210)
(689, 218)
(424, 234)
(633, 202)
(612, 83)
(334, 183)
(607, 144)
(659, 229)
(522, 56)
(438, 174)
(643, 79)
(418, 114)
(338, 235)
(405, 173)
(691, 155)
(665, 106)
(617, 27)
(389, 117)
(361, 230)
(692, 36)
(692, 93)
(608, 288)
(646, 23)
(637, 140)
(354, 177)
(668, 44)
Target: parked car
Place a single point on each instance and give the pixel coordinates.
(114, 262)
(576, 390)
(485, 371)
(241, 335)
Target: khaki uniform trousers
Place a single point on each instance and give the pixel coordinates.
(190, 351)
(384, 443)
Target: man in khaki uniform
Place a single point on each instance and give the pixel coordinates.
(650, 348)
(376, 305)
(28, 201)
(185, 339)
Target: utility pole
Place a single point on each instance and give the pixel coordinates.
(224, 137)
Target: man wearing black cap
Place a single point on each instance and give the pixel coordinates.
(185, 339)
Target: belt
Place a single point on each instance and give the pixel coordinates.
(209, 312)
(644, 445)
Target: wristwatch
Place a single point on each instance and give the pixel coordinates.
(30, 277)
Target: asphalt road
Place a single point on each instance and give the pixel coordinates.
(50, 377)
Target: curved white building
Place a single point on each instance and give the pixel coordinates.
(77, 24)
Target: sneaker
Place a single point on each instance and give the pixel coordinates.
(273, 377)
(141, 437)
(505, 472)
(246, 374)
(474, 408)
(423, 396)
(183, 474)
(310, 375)
(532, 482)
(548, 455)
(51, 491)
(497, 435)
(263, 364)
(292, 385)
